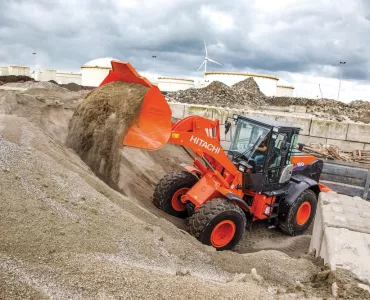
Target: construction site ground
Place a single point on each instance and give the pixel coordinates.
(68, 234)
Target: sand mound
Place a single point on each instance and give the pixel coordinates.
(100, 120)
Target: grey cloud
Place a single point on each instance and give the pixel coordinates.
(303, 37)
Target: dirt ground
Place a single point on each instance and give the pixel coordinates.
(66, 234)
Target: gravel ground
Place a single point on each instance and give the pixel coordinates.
(65, 234)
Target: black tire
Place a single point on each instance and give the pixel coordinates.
(290, 225)
(204, 220)
(167, 187)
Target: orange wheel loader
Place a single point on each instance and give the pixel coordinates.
(261, 177)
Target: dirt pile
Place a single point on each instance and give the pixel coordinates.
(99, 122)
(14, 78)
(219, 94)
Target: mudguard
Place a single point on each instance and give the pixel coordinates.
(191, 169)
(294, 188)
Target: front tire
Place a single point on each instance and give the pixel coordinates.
(219, 223)
(301, 214)
(169, 190)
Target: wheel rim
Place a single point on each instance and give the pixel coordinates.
(176, 199)
(223, 233)
(303, 213)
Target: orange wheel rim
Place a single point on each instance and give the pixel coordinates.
(176, 199)
(303, 213)
(223, 233)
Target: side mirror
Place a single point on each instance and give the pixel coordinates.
(227, 126)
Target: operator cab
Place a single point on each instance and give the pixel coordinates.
(261, 148)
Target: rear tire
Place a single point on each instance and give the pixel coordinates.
(301, 214)
(218, 223)
(169, 190)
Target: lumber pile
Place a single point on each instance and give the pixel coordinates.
(333, 152)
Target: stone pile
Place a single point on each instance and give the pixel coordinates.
(242, 94)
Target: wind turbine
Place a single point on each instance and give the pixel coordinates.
(206, 59)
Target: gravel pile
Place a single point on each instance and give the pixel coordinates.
(217, 93)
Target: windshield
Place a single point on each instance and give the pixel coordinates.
(248, 136)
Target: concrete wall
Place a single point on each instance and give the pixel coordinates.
(348, 136)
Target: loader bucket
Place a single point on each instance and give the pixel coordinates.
(152, 127)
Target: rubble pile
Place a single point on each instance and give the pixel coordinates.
(249, 90)
(217, 93)
(247, 94)
(330, 109)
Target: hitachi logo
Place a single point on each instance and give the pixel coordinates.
(204, 144)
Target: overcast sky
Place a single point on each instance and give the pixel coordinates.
(299, 41)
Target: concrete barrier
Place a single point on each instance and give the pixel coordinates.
(347, 136)
(328, 129)
(341, 234)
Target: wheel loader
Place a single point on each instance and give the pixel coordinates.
(261, 177)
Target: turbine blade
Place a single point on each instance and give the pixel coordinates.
(201, 65)
(214, 61)
(205, 46)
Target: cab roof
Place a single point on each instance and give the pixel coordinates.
(270, 122)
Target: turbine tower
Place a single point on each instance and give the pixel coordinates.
(206, 59)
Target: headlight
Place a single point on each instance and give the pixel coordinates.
(241, 168)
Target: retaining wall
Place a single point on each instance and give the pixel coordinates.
(341, 234)
(348, 136)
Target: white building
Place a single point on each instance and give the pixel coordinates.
(266, 83)
(94, 71)
(15, 70)
(45, 75)
(170, 84)
(284, 91)
(68, 77)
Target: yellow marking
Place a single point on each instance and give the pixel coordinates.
(175, 135)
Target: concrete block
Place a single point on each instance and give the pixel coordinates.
(304, 123)
(202, 111)
(346, 145)
(306, 139)
(225, 145)
(328, 129)
(341, 233)
(358, 133)
(177, 110)
(347, 249)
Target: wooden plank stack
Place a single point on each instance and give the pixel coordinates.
(333, 152)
